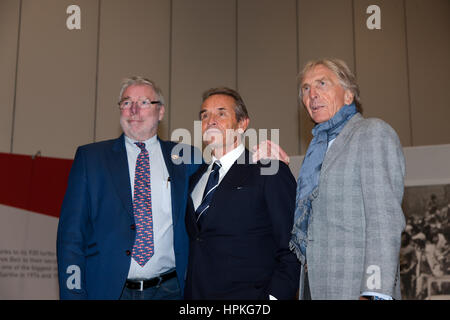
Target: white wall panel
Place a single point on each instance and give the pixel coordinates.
(267, 67)
(203, 56)
(134, 40)
(325, 30)
(428, 31)
(55, 79)
(9, 33)
(381, 65)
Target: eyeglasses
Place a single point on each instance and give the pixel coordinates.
(141, 103)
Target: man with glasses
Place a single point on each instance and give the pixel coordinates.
(121, 232)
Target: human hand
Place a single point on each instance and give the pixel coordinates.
(269, 150)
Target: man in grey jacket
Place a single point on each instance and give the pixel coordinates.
(348, 219)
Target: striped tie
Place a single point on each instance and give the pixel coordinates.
(211, 186)
(142, 208)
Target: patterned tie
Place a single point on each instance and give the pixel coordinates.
(142, 208)
(211, 186)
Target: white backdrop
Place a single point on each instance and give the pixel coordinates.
(28, 268)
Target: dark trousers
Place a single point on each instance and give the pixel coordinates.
(307, 292)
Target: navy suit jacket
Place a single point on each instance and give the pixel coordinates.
(95, 232)
(242, 250)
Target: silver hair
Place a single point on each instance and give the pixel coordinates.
(138, 80)
(346, 77)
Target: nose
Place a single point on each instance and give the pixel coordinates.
(312, 93)
(212, 120)
(134, 109)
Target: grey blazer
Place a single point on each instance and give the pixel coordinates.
(354, 236)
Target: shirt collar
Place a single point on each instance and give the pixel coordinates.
(228, 159)
(149, 142)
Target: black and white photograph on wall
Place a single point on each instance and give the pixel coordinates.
(425, 252)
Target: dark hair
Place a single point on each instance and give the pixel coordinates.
(239, 109)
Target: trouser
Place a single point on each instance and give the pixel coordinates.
(304, 292)
(167, 290)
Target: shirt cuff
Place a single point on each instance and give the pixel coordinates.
(380, 296)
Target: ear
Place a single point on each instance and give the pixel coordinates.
(162, 110)
(348, 97)
(243, 124)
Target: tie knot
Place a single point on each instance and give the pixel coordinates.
(141, 145)
(216, 166)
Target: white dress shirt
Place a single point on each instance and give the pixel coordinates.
(226, 161)
(163, 258)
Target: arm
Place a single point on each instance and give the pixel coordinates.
(280, 191)
(382, 174)
(71, 236)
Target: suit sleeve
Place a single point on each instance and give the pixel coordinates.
(382, 174)
(72, 227)
(280, 190)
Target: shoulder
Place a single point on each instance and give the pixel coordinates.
(372, 129)
(177, 147)
(274, 169)
(184, 155)
(376, 125)
(181, 150)
(99, 146)
(168, 143)
(378, 139)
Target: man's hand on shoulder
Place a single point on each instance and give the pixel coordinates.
(269, 150)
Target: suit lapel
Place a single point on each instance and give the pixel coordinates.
(192, 183)
(339, 144)
(177, 181)
(235, 176)
(120, 173)
(237, 173)
(196, 177)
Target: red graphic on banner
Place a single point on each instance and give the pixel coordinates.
(36, 185)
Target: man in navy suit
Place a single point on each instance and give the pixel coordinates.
(110, 181)
(238, 219)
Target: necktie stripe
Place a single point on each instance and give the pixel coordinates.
(212, 189)
(211, 186)
(200, 214)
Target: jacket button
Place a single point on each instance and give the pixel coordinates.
(128, 252)
(133, 227)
